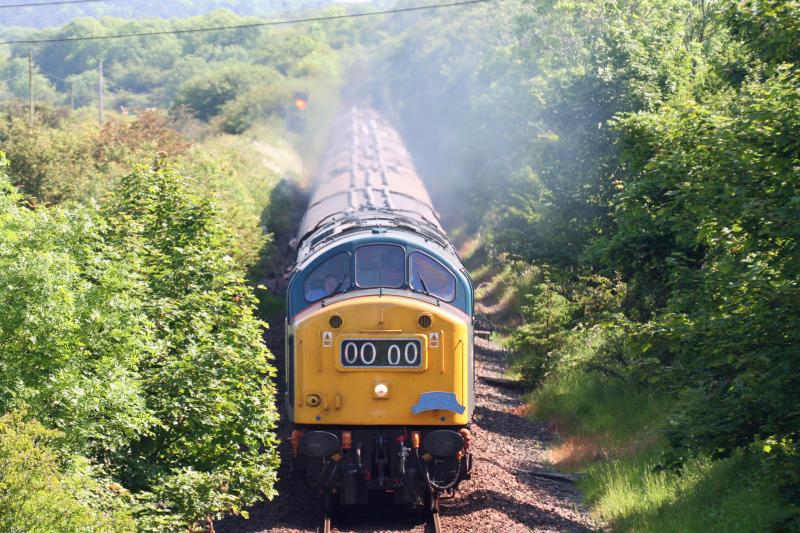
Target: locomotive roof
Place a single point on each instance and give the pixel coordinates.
(367, 181)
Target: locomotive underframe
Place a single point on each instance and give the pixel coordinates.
(383, 460)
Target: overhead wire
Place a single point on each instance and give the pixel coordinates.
(50, 75)
(52, 3)
(246, 26)
(13, 78)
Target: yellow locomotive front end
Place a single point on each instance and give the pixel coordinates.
(382, 359)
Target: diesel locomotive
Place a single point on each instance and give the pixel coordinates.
(379, 366)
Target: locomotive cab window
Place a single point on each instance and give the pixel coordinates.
(429, 276)
(380, 265)
(330, 277)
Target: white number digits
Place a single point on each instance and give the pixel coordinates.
(350, 360)
(411, 360)
(364, 351)
(368, 353)
(396, 350)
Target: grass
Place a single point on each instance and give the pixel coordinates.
(473, 252)
(613, 433)
(468, 248)
(500, 296)
(587, 404)
(705, 496)
(481, 274)
(486, 289)
(499, 338)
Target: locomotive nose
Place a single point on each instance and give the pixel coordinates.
(381, 365)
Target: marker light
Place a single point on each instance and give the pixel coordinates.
(381, 390)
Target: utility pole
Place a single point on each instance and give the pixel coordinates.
(71, 98)
(30, 88)
(100, 89)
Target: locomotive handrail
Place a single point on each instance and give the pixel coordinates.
(365, 220)
(360, 216)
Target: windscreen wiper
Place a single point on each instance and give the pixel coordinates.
(424, 285)
(339, 285)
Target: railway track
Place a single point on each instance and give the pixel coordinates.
(436, 519)
(433, 524)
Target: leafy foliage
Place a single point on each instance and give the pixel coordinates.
(208, 386)
(38, 494)
(131, 331)
(642, 155)
(559, 315)
(128, 331)
(207, 92)
(730, 258)
(51, 164)
(769, 27)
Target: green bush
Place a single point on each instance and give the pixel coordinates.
(255, 105)
(75, 159)
(207, 92)
(546, 315)
(559, 314)
(51, 164)
(72, 326)
(728, 254)
(231, 170)
(209, 383)
(40, 494)
(131, 330)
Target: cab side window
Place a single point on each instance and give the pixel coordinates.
(429, 276)
(380, 265)
(330, 277)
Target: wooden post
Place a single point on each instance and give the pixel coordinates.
(100, 89)
(30, 88)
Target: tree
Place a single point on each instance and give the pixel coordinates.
(207, 92)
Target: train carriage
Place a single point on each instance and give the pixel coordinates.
(380, 370)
